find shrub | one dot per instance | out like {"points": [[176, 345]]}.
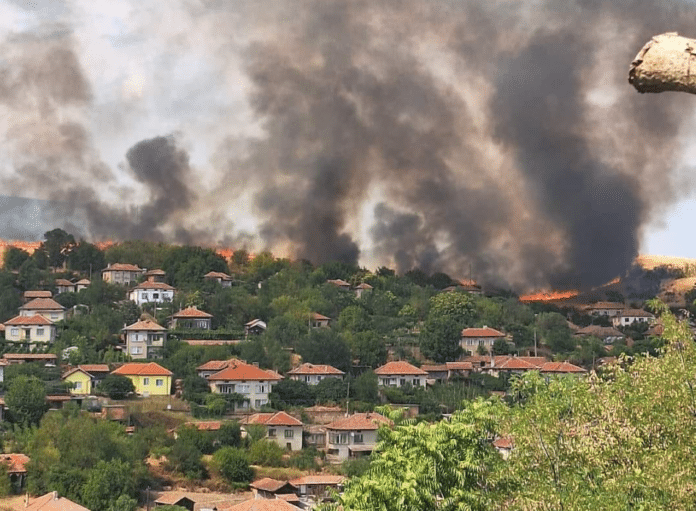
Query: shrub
{"points": [[267, 453], [233, 465]]}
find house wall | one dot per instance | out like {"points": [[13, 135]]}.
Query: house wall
{"points": [[398, 380], [82, 384], [120, 276], [313, 379], [54, 315], [338, 443], [142, 344], [284, 435], [37, 333], [142, 296], [629, 320], [256, 392], [151, 385], [472, 343]]}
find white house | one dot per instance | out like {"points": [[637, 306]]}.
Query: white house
{"points": [[609, 309], [282, 428], [120, 273], [312, 374], [82, 284], [629, 316], [145, 339], [151, 292], [64, 286], [221, 278], [35, 328], [47, 307], [254, 327], [317, 320], [472, 338], [354, 436], [253, 383], [398, 374], [191, 317], [361, 289]]}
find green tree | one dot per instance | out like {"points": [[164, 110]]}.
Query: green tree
{"points": [[332, 390], [555, 332], [368, 348], [116, 386], [266, 453], [185, 457], [364, 387], [233, 465], [86, 257], [289, 392], [230, 434], [500, 347], [449, 313], [57, 245], [26, 399], [325, 346], [106, 484], [13, 258]]}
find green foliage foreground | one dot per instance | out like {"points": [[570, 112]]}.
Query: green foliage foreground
{"points": [[623, 439]]}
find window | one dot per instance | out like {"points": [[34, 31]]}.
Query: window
{"points": [[243, 388], [403, 381], [289, 433], [260, 389], [146, 381], [226, 388], [78, 385], [136, 350], [14, 331], [54, 315], [416, 382], [258, 403], [358, 438], [40, 332], [272, 432], [155, 296], [159, 382], [338, 438]]}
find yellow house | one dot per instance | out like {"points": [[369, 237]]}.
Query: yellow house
{"points": [[80, 381], [149, 379]]}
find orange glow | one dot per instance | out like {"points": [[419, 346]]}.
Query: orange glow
{"points": [[548, 296]]}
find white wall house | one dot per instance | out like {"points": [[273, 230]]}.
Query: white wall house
{"points": [[312, 374], [34, 328], [317, 320], [472, 338], [630, 316], [398, 374], [151, 292], [47, 307], [120, 273], [145, 339], [253, 383], [191, 317], [354, 436], [281, 428], [221, 278]]}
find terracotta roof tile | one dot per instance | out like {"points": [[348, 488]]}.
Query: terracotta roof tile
{"points": [[635, 313], [605, 306], [503, 443], [154, 285], [434, 368], [238, 370], [63, 283], [272, 419], [191, 312], [52, 502], [95, 368], [37, 294], [360, 421], [338, 282], [268, 484], [363, 286], [561, 367], [213, 365], [83, 282], [206, 425], [15, 462], [399, 368], [517, 364], [217, 275], [142, 369], [317, 317], [144, 325], [459, 366], [261, 505], [123, 267], [30, 356], [318, 479], [308, 368], [36, 319], [482, 332], [42, 304]]}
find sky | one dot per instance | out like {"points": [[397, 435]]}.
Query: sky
{"points": [[445, 135]]}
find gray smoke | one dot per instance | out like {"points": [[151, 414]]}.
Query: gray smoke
{"points": [[501, 137]]}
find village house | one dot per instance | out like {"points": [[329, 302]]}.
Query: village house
{"points": [[354, 436], [339, 283], [47, 307], [64, 286], [361, 289], [442, 373], [254, 327], [561, 368], [465, 285], [191, 317], [120, 273], [213, 366], [268, 488], [30, 329], [85, 377], [398, 374], [251, 382], [49, 359], [151, 292], [608, 309], [221, 278], [317, 320], [606, 334], [15, 463], [52, 502], [145, 339], [628, 317], [281, 428], [82, 284], [155, 275], [36, 293], [312, 374], [472, 338], [318, 486], [261, 505], [149, 379]]}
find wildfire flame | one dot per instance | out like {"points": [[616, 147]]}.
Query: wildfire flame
{"points": [[548, 296]]}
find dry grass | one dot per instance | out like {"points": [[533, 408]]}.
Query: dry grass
{"points": [[650, 262]]}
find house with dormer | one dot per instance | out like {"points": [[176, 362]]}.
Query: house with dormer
{"points": [[47, 307]]}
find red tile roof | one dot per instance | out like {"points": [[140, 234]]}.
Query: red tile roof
{"points": [[30, 356], [268, 484], [63, 283], [459, 366], [635, 313], [482, 332], [123, 267], [83, 282], [359, 422], [261, 505], [37, 294], [503, 443], [434, 368], [205, 426], [52, 502], [317, 316], [15, 462], [142, 369], [308, 368], [318, 479], [214, 365], [95, 368], [338, 282], [517, 364], [272, 419], [146, 324], [154, 285], [561, 367], [42, 304], [363, 286], [36, 319], [156, 271], [399, 368], [605, 305], [217, 275], [238, 370], [191, 312]]}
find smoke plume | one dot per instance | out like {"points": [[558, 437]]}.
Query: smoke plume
{"points": [[498, 137]]}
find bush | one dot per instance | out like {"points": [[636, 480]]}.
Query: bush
{"points": [[233, 465], [355, 468], [185, 457], [266, 453], [306, 459], [116, 386]]}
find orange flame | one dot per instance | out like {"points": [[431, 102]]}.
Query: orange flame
{"points": [[548, 296]]}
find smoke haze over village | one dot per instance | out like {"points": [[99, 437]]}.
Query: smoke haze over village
{"points": [[498, 136]]}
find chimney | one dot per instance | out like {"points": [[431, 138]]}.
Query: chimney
{"points": [[255, 364], [55, 495]]}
